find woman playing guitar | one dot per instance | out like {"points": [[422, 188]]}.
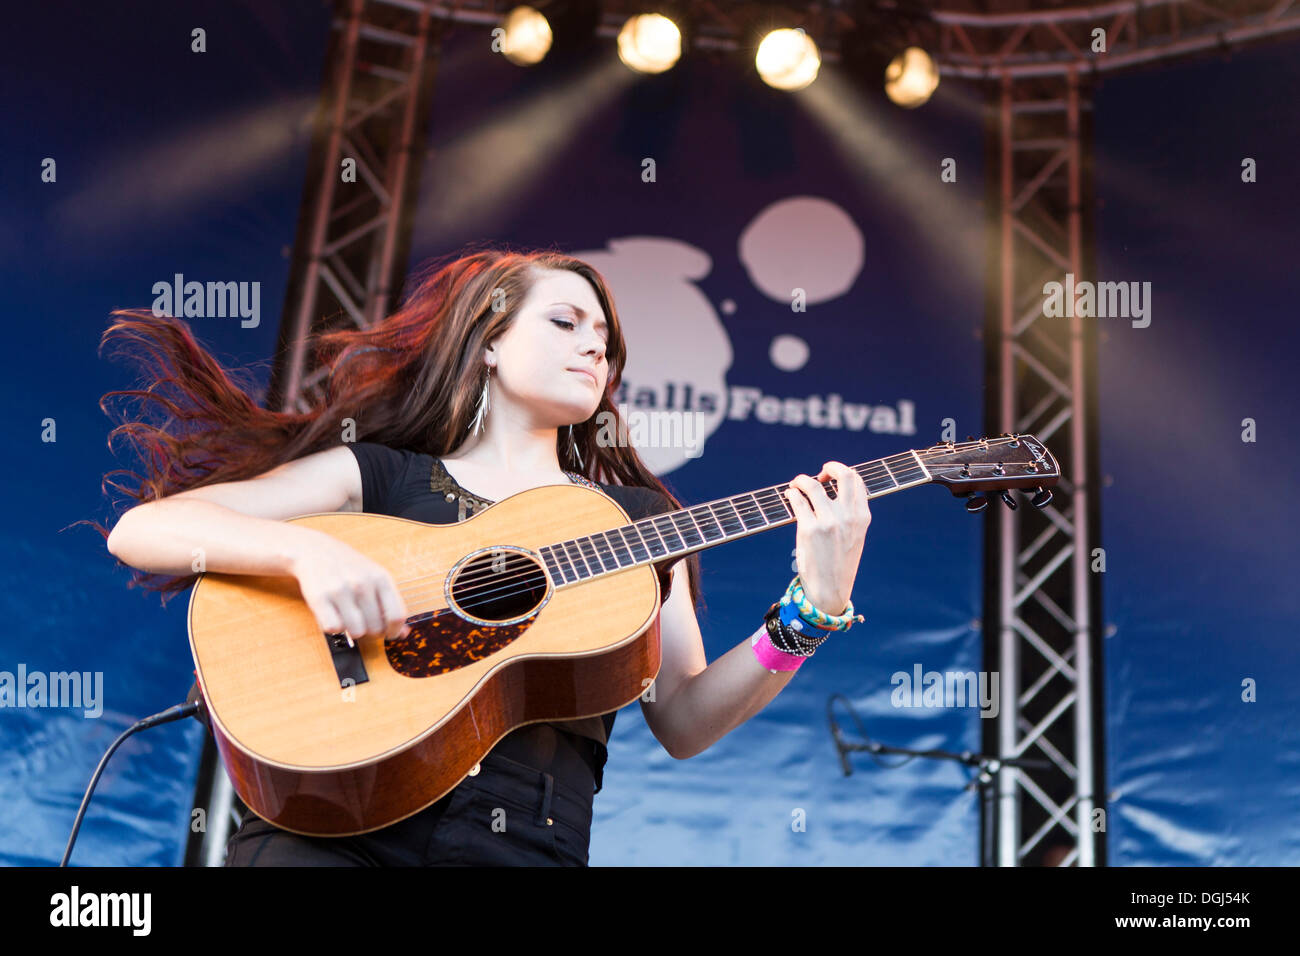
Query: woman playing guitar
{"points": [[488, 377]]}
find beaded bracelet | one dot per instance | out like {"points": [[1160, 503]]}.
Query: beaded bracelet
{"points": [[785, 638], [783, 644], [795, 595], [793, 628]]}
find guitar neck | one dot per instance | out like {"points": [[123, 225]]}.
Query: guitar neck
{"points": [[676, 533]]}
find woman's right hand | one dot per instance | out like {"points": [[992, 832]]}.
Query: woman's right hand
{"points": [[349, 592]]}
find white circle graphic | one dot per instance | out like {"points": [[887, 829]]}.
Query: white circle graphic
{"points": [[789, 353], [803, 243]]}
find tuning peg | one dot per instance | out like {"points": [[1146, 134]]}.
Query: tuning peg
{"points": [[1010, 502], [1041, 499], [976, 503]]}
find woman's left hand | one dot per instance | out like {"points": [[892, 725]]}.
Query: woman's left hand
{"points": [[830, 534]]}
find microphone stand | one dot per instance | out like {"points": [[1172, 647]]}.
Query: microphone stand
{"points": [[987, 767], [187, 709]]}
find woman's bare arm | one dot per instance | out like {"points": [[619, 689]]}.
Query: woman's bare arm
{"points": [[238, 527]]}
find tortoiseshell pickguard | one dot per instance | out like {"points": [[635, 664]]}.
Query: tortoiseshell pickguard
{"points": [[445, 641]]}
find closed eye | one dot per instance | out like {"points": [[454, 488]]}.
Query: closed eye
{"points": [[564, 322]]}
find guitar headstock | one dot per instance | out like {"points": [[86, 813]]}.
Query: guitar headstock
{"points": [[993, 464]]}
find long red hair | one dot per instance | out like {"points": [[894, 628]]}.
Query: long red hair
{"points": [[411, 381]]}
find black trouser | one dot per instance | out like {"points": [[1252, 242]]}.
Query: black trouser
{"points": [[508, 814]]}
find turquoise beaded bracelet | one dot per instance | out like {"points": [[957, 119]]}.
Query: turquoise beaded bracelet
{"points": [[795, 595]]}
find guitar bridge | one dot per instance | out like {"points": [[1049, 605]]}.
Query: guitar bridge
{"points": [[347, 660]]}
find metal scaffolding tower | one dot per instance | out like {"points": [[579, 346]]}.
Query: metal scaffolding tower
{"points": [[1041, 601], [353, 241], [354, 236]]}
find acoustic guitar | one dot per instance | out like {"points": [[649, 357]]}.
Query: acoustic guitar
{"points": [[542, 607]]}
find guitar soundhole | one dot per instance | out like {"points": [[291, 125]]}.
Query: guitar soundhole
{"points": [[499, 585]]}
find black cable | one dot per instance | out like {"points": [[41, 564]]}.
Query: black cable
{"points": [[870, 746], [172, 713]]}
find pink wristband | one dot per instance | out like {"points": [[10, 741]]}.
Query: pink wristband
{"points": [[774, 659]]}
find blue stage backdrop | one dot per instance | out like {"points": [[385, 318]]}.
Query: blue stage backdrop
{"points": [[707, 202], [1198, 412], [167, 162]]}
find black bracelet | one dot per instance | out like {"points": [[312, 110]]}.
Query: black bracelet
{"points": [[799, 638], [788, 640]]}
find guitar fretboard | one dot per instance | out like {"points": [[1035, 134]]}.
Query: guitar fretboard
{"points": [[676, 533]]}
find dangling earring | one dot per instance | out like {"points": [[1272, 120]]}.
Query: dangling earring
{"points": [[483, 403], [574, 445]]}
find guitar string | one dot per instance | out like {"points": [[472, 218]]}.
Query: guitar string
{"points": [[875, 471], [473, 594], [767, 496], [758, 505], [469, 584]]}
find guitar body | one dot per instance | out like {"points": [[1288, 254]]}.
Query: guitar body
{"points": [[317, 752]]}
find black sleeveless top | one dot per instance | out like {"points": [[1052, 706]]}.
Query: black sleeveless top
{"points": [[414, 485], [467, 504]]}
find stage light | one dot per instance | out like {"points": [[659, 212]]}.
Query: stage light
{"points": [[649, 43], [527, 36], [911, 77], [788, 59]]}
